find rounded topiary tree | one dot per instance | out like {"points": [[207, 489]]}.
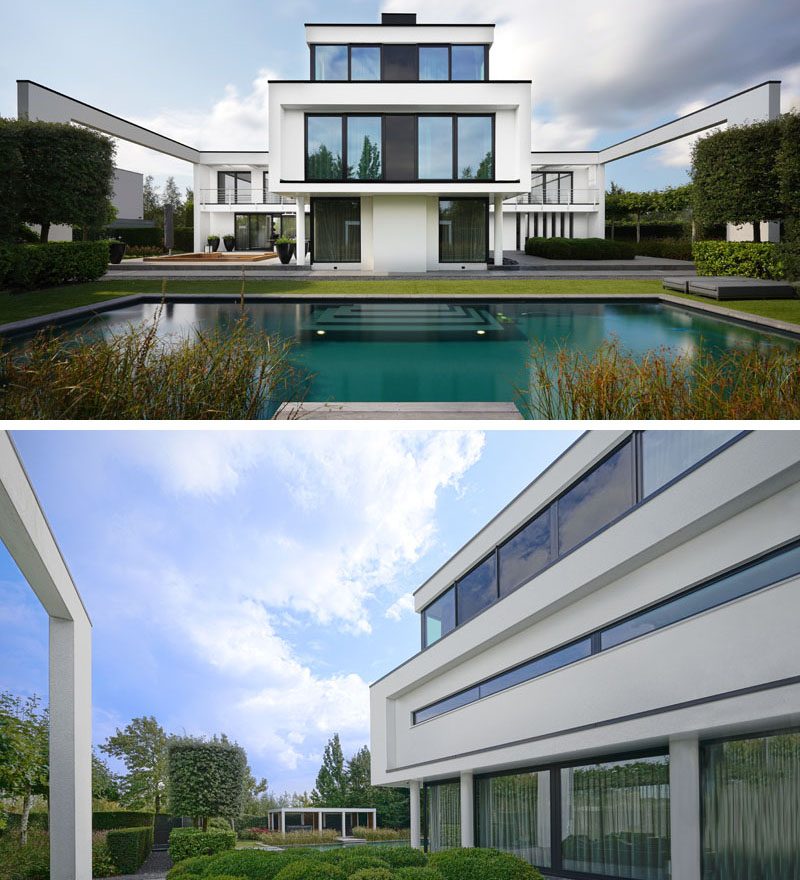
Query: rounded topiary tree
{"points": [[481, 864], [403, 856], [206, 778], [310, 869]]}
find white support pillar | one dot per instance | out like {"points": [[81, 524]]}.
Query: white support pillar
{"points": [[467, 810], [283, 821], [684, 791], [413, 795], [200, 233], [344, 823], [597, 220], [300, 234], [498, 230]]}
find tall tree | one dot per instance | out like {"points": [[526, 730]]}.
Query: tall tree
{"points": [[616, 206], [151, 200], [105, 784], [172, 195], [359, 785], [142, 747], [188, 208], [330, 789], [24, 752]]}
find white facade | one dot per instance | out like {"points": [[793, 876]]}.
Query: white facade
{"points": [[729, 670]]}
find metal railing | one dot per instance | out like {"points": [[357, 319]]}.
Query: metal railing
{"points": [[223, 196], [539, 196]]}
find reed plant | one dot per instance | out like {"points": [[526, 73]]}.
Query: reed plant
{"points": [[236, 372], [612, 383], [381, 833]]}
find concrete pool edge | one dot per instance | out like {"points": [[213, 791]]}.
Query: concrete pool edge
{"points": [[758, 322]]}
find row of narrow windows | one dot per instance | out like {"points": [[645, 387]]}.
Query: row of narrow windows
{"points": [[399, 62]]}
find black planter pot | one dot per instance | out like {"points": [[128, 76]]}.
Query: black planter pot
{"points": [[117, 251], [285, 251], [214, 244], [230, 246]]}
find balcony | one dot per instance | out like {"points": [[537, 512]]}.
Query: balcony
{"points": [[564, 196], [223, 196]]}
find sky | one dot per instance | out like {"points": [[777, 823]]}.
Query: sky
{"points": [[254, 582], [199, 72]]}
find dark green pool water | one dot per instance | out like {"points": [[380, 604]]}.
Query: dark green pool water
{"points": [[428, 351]]}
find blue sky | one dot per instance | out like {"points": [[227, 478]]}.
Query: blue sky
{"points": [[601, 72], [253, 582]]}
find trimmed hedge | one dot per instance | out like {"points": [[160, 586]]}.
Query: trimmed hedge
{"points": [[191, 867], [184, 238], [579, 249], [654, 229], [250, 864], [373, 874], [310, 869], [187, 842], [36, 821], [481, 864], [748, 258], [417, 872], [149, 236], [30, 266], [403, 856], [105, 820], [671, 249], [129, 847]]}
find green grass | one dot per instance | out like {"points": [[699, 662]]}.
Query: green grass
{"points": [[15, 307]]}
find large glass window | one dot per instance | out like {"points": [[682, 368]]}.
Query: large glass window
{"points": [[330, 62], [666, 454], [435, 150], [476, 590], [534, 668], [443, 812], [364, 161], [475, 152], [233, 187], [615, 818], [399, 62], [463, 230], [601, 496], [439, 617], [513, 814], [527, 553], [324, 148], [751, 808], [462, 698], [337, 230], [365, 63], [469, 62], [434, 63]]}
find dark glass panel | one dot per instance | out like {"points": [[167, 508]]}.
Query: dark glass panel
{"points": [[364, 148], [477, 590], [528, 671], [454, 702], [527, 553], [440, 617], [600, 497], [666, 454], [463, 230], [324, 157], [468, 62], [435, 138], [337, 230], [399, 62], [513, 815], [475, 154], [400, 139], [615, 818], [434, 63], [756, 576], [365, 63], [330, 63]]}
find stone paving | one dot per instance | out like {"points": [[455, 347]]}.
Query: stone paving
{"points": [[154, 868]]}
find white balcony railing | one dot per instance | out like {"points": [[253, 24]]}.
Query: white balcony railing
{"points": [[566, 196], [223, 196]]}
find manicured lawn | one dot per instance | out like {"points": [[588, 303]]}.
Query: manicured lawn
{"points": [[15, 307]]}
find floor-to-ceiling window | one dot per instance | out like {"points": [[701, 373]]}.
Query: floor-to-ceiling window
{"points": [[253, 232], [233, 188], [324, 148], [750, 797], [463, 230], [336, 230], [443, 815]]}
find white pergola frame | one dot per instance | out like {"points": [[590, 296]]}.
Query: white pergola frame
{"points": [[321, 812], [27, 535]]}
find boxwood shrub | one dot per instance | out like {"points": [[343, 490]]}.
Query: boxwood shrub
{"points": [[105, 820], [311, 869], [129, 847], [748, 258], [373, 874], [250, 864], [27, 266], [481, 864], [579, 249], [417, 872], [357, 861], [187, 842], [189, 868], [403, 856]]}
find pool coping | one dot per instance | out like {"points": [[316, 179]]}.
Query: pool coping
{"points": [[759, 322]]}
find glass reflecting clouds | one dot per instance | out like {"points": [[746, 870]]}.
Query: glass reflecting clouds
{"points": [[435, 150], [330, 62], [468, 62], [475, 159], [527, 553], [477, 590], [365, 63], [434, 63]]}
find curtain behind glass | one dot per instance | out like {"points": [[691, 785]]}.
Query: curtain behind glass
{"points": [[666, 454], [615, 818], [514, 815], [462, 230], [337, 230], [751, 809], [444, 816]]}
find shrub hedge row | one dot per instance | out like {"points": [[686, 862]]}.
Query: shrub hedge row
{"points": [[105, 820], [28, 266], [748, 258], [656, 229], [36, 821], [153, 236], [129, 847], [578, 249], [187, 842], [669, 248]]}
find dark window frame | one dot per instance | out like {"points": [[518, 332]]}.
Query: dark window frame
{"points": [[315, 199], [485, 200], [221, 190], [350, 47]]}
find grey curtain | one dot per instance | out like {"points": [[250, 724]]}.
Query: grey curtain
{"points": [[514, 815], [444, 816]]}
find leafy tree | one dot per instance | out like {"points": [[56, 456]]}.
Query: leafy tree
{"points": [[188, 208], [639, 204], [369, 165], [105, 784], [323, 165], [11, 163], [24, 752], [142, 747], [172, 195], [486, 167], [330, 789], [151, 201], [358, 778], [616, 206]]}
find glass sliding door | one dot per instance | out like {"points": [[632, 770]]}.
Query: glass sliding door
{"points": [[443, 812], [463, 230], [336, 235], [253, 231]]}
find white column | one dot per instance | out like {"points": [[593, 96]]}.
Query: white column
{"points": [[413, 795], [498, 230], [283, 821], [344, 824], [467, 815], [684, 809], [70, 750], [200, 233], [597, 220], [301, 231]]}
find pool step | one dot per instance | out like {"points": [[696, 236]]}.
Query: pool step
{"points": [[401, 411]]}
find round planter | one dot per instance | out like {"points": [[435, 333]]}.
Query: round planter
{"points": [[214, 244], [117, 251], [285, 251], [230, 246]]}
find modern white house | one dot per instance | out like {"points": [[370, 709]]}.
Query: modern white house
{"points": [[397, 154], [609, 678]]}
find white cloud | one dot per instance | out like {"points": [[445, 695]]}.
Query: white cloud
{"points": [[404, 605]]}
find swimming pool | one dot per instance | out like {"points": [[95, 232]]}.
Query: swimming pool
{"points": [[443, 351]]}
